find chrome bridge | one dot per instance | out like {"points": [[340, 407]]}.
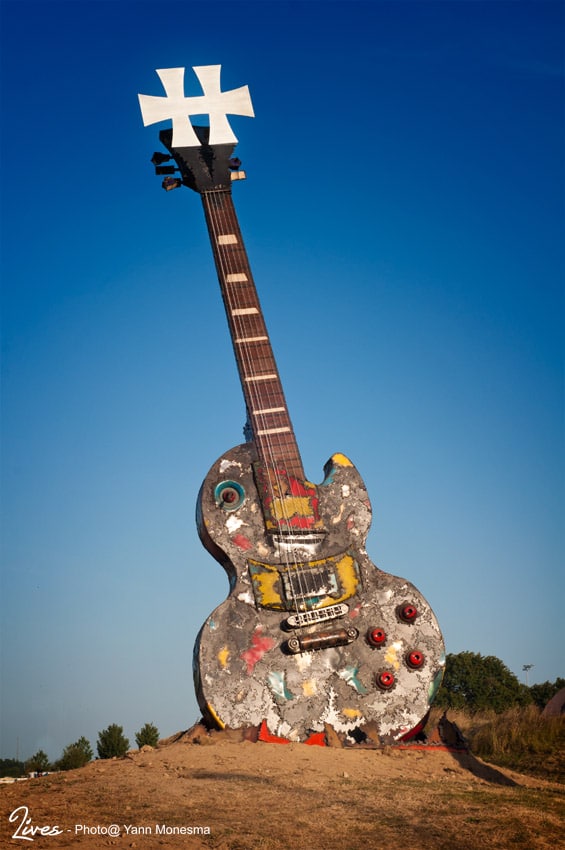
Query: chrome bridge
{"points": [[316, 615], [321, 640]]}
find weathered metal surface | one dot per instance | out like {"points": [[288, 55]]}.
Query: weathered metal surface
{"points": [[244, 670]]}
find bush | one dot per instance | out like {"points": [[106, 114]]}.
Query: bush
{"points": [[541, 694], [11, 767], [148, 735], [112, 743], [473, 682], [38, 763], [75, 755]]}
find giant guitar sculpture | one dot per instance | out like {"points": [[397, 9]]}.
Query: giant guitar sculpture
{"points": [[312, 635]]}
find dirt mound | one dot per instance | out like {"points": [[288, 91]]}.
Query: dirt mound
{"points": [[197, 790]]}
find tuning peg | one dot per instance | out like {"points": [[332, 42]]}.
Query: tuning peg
{"points": [[170, 183], [159, 158]]}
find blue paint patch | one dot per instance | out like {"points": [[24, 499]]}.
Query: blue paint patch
{"points": [[349, 675], [435, 685], [278, 686]]}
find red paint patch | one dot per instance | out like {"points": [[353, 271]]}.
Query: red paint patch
{"points": [[316, 739], [259, 646], [413, 732], [242, 542], [299, 522], [299, 488], [265, 735]]}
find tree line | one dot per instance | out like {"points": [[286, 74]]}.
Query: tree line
{"points": [[472, 683], [475, 682], [111, 743]]}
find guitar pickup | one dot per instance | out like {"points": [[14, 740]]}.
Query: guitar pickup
{"points": [[321, 640], [316, 615]]}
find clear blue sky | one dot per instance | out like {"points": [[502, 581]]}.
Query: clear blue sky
{"points": [[404, 217]]}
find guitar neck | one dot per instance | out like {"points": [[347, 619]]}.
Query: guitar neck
{"points": [[267, 411]]}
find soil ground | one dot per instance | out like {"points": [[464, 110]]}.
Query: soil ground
{"points": [[246, 796]]}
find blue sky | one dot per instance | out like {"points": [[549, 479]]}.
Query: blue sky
{"points": [[403, 214]]}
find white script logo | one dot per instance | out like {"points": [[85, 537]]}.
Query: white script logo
{"points": [[25, 829]]}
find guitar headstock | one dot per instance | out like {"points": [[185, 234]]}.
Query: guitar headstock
{"points": [[203, 154], [203, 168]]}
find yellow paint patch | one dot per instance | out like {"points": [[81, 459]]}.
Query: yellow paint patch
{"points": [[351, 712], [309, 687], [264, 581], [214, 716], [391, 657], [223, 656], [341, 460], [291, 505], [348, 576]]}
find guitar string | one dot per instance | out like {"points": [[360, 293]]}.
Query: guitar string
{"points": [[236, 297], [236, 302], [275, 447], [228, 265]]}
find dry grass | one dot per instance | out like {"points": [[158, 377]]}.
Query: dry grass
{"points": [[520, 739], [271, 797]]}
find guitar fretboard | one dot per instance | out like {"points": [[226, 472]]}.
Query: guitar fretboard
{"points": [[267, 411]]}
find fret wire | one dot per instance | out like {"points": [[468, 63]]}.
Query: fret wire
{"points": [[240, 296], [271, 447]]}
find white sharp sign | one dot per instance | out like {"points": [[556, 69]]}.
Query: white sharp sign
{"points": [[213, 102]]}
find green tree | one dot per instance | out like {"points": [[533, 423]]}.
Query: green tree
{"points": [[476, 683], [11, 767], [38, 763], [75, 755], [147, 735], [541, 694], [112, 743]]}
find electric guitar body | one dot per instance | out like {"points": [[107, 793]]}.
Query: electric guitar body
{"points": [[312, 635]]}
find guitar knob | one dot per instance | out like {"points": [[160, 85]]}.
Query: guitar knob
{"points": [[407, 612], [415, 659], [376, 637], [229, 495], [385, 680]]}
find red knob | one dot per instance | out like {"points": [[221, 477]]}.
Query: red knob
{"points": [[408, 612], [415, 659], [385, 680], [376, 637]]}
